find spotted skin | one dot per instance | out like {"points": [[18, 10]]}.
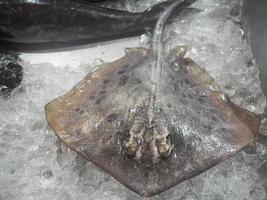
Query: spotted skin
{"points": [[106, 119]]}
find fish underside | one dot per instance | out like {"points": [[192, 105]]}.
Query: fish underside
{"points": [[106, 118], [48, 24]]}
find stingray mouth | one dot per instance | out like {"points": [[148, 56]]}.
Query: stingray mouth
{"points": [[147, 145]]}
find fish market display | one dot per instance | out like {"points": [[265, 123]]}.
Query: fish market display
{"points": [[36, 164]]}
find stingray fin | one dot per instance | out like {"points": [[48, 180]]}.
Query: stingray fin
{"points": [[205, 82]]}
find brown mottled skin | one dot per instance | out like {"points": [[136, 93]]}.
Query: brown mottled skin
{"points": [[105, 118]]}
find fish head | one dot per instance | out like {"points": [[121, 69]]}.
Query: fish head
{"points": [[147, 143]]}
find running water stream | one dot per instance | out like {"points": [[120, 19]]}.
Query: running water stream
{"points": [[158, 55]]}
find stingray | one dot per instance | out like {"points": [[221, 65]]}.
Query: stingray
{"points": [[151, 127]]}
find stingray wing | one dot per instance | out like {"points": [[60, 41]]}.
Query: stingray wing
{"points": [[79, 115], [90, 117], [206, 129]]}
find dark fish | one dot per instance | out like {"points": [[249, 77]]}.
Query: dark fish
{"points": [[47, 24], [105, 118], [11, 73]]}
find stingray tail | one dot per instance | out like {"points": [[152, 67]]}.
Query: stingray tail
{"points": [[157, 47], [151, 15]]}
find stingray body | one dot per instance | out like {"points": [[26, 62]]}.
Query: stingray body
{"points": [[105, 118], [47, 24]]}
